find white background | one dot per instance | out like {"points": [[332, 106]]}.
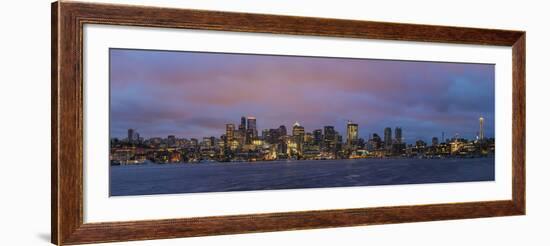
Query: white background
{"points": [[25, 131]]}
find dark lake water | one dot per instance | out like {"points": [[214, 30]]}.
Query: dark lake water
{"points": [[150, 179]]}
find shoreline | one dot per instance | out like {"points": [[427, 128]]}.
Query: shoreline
{"points": [[151, 163]]}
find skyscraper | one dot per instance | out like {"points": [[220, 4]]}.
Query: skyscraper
{"points": [[317, 136], [298, 132], [251, 125], [330, 138], [251, 132], [273, 136], [243, 123], [398, 135], [481, 133], [130, 135], [387, 138], [242, 131], [352, 133], [377, 141], [229, 132], [242, 126], [133, 136]]}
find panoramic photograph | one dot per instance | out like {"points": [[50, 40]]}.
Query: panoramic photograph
{"points": [[194, 122]]}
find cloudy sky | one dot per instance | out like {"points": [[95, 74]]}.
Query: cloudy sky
{"points": [[191, 94]]}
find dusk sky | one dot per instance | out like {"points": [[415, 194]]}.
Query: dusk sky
{"points": [[193, 95]]}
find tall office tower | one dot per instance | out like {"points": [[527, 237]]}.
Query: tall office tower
{"points": [[130, 135], [242, 126], [317, 136], [298, 132], [330, 138], [398, 135], [230, 132], [223, 144], [251, 126], [352, 133], [213, 141], [387, 138], [481, 133]]}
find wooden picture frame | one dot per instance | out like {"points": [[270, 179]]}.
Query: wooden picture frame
{"points": [[68, 19]]}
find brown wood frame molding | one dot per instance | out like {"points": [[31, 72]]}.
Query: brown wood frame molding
{"points": [[68, 19]]}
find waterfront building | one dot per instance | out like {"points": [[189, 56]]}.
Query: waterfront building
{"points": [[230, 132], [317, 136], [387, 138], [251, 126], [456, 146], [398, 135], [352, 133], [377, 140], [242, 126], [282, 146], [481, 133], [339, 141], [251, 132], [330, 138], [130, 135], [222, 143], [298, 132], [213, 141], [242, 130]]}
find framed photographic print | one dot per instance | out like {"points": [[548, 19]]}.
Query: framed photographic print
{"points": [[177, 123]]}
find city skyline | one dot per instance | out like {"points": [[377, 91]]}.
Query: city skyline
{"points": [[193, 95], [352, 130], [245, 142]]}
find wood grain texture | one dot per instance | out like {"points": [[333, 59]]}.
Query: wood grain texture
{"points": [[68, 19], [54, 125], [518, 123], [147, 230]]}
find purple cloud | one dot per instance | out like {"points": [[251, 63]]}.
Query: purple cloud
{"points": [[192, 94]]}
